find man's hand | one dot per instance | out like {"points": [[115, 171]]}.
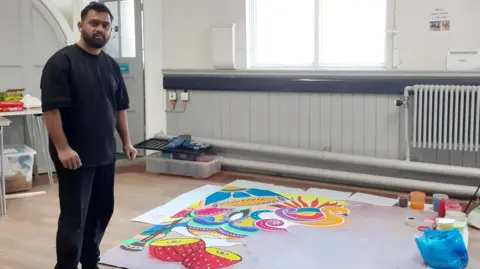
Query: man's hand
{"points": [[69, 158], [130, 152]]}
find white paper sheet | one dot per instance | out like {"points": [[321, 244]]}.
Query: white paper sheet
{"points": [[331, 194], [266, 186], [283, 189], [158, 214], [372, 199], [250, 184]]}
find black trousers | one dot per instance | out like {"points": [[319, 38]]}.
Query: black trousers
{"points": [[86, 206]]}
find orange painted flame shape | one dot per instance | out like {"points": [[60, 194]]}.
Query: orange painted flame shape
{"points": [[299, 203], [322, 215]]}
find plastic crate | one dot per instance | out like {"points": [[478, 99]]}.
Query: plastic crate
{"points": [[204, 167], [18, 164]]}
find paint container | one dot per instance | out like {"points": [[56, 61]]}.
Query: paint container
{"points": [[456, 215], [436, 200], [441, 209], [427, 224], [452, 206], [403, 201], [460, 226], [417, 200], [445, 224]]}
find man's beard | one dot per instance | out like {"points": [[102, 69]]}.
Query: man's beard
{"points": [[93, 42]]}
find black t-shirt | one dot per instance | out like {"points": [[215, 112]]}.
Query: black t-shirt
{"points": [[88, 90]]}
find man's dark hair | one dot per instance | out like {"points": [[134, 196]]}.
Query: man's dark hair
{"points": [[96, 6]]}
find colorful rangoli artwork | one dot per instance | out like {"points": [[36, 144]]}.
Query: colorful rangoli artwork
{"points": [[210, 233]]}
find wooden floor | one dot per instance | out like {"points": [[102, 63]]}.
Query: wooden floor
{"points": [[27, 234]]}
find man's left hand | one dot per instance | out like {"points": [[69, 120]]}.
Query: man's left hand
{"points": [[130, 152]]}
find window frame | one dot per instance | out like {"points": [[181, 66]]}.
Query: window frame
{"points": [[390, 48]]}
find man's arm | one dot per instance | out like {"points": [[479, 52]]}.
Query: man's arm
{"points": [[54, 125], [55, 94], [123, 103], [122, 127]]}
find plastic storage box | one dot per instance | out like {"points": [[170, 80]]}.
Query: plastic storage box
{"points": [[204, 167], [18, 163]]}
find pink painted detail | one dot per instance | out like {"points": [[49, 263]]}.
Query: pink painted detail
{"points": [[181, 214], [270, 225], [209, 212], [423, 228]]}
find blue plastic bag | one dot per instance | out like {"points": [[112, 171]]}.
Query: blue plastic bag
{"points": [[185, 142], [443, 249], [178, 141]]}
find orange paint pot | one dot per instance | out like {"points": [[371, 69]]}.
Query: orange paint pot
{"points": [[417, 200]]}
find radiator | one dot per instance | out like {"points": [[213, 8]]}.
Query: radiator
{"points": [[444, 117]]}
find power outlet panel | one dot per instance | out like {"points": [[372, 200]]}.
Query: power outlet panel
{"points": [[184, 96], [172, 96]]}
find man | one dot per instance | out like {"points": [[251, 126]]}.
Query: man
{"points": [[84, 100]]}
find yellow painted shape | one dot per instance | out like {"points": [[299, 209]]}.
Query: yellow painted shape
{"points": [[225, 254], [233, 188], [309, 199], [175, 242], [248, 222], [332, 217], [210, 234], [249, 202]]}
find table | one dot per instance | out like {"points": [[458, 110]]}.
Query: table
{"points": [[36, 115], [3, 198]]}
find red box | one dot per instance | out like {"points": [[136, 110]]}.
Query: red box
{"points": [[11, 106]]}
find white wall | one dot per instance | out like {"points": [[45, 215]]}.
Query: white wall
{"points": [[33, 36], [186, 31], [187, 40], [422, 49], [155, 117]]}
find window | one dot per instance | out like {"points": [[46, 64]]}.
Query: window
{"points": [[319, 34]]}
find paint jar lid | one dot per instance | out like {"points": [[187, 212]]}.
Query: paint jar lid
{"points": [[452, 203], [417, 193], [445, 221], [440, 196], [453, 207]]}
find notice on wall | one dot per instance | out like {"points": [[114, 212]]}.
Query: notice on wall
{"points": [[440, 20], [124, 68]]}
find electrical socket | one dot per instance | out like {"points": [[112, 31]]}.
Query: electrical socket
{"points": [[184, 96], [172, 96]]}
